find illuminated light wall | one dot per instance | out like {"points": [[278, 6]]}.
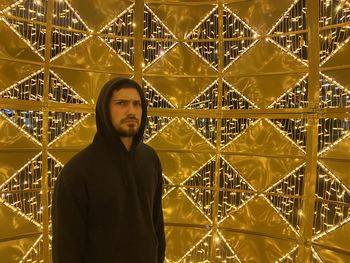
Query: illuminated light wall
{"points": [[248, 111]]}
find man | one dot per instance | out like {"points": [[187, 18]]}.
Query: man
{"points": [[107, 200]]}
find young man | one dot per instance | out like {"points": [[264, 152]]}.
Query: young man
{"points": [[107, 200]]}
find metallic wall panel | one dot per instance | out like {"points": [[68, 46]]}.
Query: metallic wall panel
{"points": [[340, 58], [180, 240], [331, 256], [74, 140], [255, 248], [339, 238], [12, 46], [183, 62], [86, 84], [12, 72], [262, 171], [264, 73], [13, 251], [177, 208], [341, 166], [16, 149], [180, 19], [260, 14], [93, 54], [95, 16], [258, 216]]}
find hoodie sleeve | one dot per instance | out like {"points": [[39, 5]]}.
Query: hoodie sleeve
{"points": [[68, 221], [158, 215]]}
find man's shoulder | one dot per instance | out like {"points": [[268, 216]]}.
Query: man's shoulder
{"points": [[147, 149]]}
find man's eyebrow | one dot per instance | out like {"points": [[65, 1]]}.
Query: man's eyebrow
{"points": [[125, 100]]}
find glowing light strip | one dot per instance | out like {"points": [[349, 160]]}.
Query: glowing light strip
{"points": [[287, 51], [77, 15], [171, 187], [21, 81], [255, 35], [284, 178], [341, 45], [284, 135], [158, 93], [22, 38], [288, 91], [20, 170], [240, 134], [115, 19], [240, 94], [200, 56], [161, 129], [28, 135], [333, 81], [341, 223], [12, 6], [196, 205], [197, 132], [70, 88], [280, 214], [69, 129], [116, 53], [201, 22], [287, 256], [197, 96], [162, 55], [229, 247], [200, 168], [70, 47], [282, 17], [31, 248], [315, 255], [195, 246]]}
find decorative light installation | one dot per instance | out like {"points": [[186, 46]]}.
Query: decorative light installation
{"points": [[118, 35], [332, 94], [332, 206], [333, 38], [290, 40], [158, 37], [207, 29], [286, 196], [242, 37], [330, 130], [235, 191]]}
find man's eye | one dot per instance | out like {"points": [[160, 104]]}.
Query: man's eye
{"points": [[137, 104], [121, 103]]}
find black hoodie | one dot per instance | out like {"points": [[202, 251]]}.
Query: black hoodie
{"points": [[107, 200]]}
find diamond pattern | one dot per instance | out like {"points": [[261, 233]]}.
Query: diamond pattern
{"points": [[206, 30], [122, 26], [154, 29], [236, 29], [332, 204], [286, 196], [293, 20]]}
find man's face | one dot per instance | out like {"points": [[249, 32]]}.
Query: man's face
{"points": [[126, 110]]}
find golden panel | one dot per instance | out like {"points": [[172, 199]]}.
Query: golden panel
{"points": [[339, 167], [180, 19], [340, 58], [264, 73], [179, 136], [263, 139], [178, 209], [262, 14], [331, 256], [74, 140], [86, 84], [13, 251], [11, 72], [180, 60], [95, 16], [6, 3], [93, 54], [258, 216], [13, 224], [338, 239], [16, 149], [181, 239], [12, 46]]}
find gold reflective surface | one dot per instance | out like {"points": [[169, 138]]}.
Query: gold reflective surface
{"points": [[237, 187]]}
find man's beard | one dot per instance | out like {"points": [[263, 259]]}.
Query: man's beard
{"points": [[130, 131]]}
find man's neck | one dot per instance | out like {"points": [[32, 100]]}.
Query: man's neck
{"points": [[127, 141]]}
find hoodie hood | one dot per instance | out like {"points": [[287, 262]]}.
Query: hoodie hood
{"points": [[105, 129]]}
